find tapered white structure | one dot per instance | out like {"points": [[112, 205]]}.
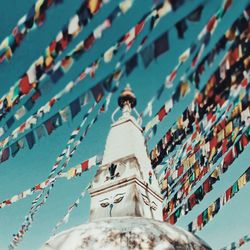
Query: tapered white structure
{"points": [[126, 205], [124, 185]]}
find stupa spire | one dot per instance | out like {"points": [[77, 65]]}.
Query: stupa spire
{"points": [[125, 185], [126, 103], [126, 207]]}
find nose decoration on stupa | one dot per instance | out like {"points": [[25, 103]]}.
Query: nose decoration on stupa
{"points": [[127, 102]]}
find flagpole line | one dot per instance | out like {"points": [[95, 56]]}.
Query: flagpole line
{"points": [[35, 207]]}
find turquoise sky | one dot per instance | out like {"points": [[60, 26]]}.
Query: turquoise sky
{"points": [[30, 167]]}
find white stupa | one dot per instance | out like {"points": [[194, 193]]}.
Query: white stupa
{"points": [[126, 204]]}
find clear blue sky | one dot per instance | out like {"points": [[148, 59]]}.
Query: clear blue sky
{"points": [[30, 167]]}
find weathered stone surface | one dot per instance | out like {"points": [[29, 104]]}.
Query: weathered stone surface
{"points": [[125, 233]]}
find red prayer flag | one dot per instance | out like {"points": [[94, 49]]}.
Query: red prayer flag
{"points": [[89, 42], [36, 95], [180, 170], [172, 219], [207, 186], [24, 85], [192, 201], [244, 83], [199, 220], [52, 101], [52, 46], [139, 27], [8, 202], [22, 127], [85, 165], [228, 194], [211, 23], [244, 141], [162, 113], [172, 76], [64, 42], [38, 187]]}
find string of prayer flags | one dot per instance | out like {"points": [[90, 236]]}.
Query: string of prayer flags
{"points": [[206, 149], [199, 194], [191, 144], [237, 244], [46, 108], [65, 218], [216, 87], [37, 71], [203, 150], [29, 22], [241, 25], [51, 124], [207, 32], [35, 205], [182, 90], [74, 108], [160, 45], [210, 212], [72, 172], [65, 153], [74, 55], [63, 66], [191, 168], [181, 26], [201, 43], [192, 174], [197, 142], [184, 86], [153, 16], [57, 71], [199, 163]]}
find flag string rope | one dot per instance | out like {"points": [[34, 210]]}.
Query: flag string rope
{"points": [[72, 172], [35, 206], [74, 205]]}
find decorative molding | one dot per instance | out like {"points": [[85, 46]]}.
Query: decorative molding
{"points": [[108, 187]]}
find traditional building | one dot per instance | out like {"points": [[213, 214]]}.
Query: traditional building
{"points": [[126, 204]]}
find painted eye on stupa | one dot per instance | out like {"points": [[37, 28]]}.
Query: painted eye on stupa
{"points": [[118, 198], [104, 204]]}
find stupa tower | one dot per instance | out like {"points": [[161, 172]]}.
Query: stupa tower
{"points": [[126, 205], [125, 185]]}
